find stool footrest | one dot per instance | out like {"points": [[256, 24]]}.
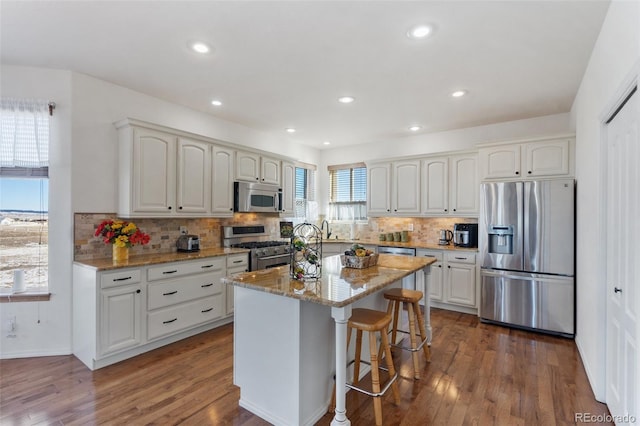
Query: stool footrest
{"points": [[382, 392], [395, 345]]}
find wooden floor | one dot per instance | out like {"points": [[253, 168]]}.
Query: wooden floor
{"points": [[479, 375]]}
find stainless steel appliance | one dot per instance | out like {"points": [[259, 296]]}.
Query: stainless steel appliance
{"points": [[527, 252], [188, 243], [445, 237], [264, 253], [407, 282], [249, 197], [465, 234]]}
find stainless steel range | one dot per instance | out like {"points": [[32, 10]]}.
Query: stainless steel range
{"points": [[265, 253]]}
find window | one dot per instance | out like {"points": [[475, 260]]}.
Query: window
{"points": [[24, 193], [348, 192], [305, 193]]}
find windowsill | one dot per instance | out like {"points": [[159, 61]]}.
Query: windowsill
{"points": [[27, 296]]}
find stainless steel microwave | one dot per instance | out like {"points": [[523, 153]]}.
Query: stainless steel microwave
{"points": [[256, 197]]}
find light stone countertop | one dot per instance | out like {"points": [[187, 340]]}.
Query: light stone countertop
{"points": [[338, 286], [105, 264], [410, 244]]}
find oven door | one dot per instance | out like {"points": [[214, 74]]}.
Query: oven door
{"points": [[267, 262]]}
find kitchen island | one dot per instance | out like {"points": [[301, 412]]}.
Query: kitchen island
{"points": [[290, 336]]}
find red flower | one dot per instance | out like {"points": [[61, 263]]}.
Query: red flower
{"points": [[110, 231]]}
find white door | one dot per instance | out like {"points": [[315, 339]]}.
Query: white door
{"points": [[378, 189], [406, 187], [623, 262], [435, 185], [222, 185], [194, 176], [154, 172], [464, 186], [270, 170]]}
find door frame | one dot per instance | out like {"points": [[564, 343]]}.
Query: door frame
{"points": [[627, 85]]}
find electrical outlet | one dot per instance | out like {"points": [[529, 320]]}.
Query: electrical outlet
{"points": [[183, 230], [11, 326], [411, 227]]}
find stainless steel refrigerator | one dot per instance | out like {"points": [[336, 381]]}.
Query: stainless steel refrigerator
{"points": [[526, 235]]}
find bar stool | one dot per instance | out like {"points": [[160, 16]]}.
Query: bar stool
{"points": [[372, 321], [396, 297]]}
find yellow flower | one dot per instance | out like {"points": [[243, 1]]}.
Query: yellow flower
{"points": [[116, 225], [129, 229], [121, 241]]}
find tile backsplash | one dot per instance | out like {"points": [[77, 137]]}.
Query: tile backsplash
{"points": [[165, 232]]}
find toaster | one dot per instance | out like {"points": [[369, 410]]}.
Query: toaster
{"points": [[188, 243]]}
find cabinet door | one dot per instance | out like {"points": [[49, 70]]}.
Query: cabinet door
{"points": [[194, 176], [120, 319], [464, 185], [154, 172], [435, 185], [222, 181], [270, 170], [247, 166], [461, 284], [378, 189], [288, 188], [500, 162], [547, 158], [406, 187]]}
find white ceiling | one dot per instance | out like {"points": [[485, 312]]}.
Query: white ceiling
{"points": [[279, 64]]}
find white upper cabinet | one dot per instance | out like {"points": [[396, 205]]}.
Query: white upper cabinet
{"points": [[435, 185], [253, 167], [532, 159], [288, 188], [222, 181], [450, 185], [394, 188], [194, 176], [464, 186], [149, 172]]}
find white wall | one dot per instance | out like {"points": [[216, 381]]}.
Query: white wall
{"points": [[454, 140], [612, 60], [44, 327]]}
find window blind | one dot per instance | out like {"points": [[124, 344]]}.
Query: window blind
{"points": [[304, 191], [24, 133], [348, 192]]}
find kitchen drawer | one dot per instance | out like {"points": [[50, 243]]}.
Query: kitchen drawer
{"points": [[170, 292], [430, 253], [238, 260], [461, 257], [176, 318], [177, 269], [122, 277]]}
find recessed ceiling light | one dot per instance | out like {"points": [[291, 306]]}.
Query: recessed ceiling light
{"points": [[200, 47], [346, 99], [290, 130], [326, 143], [216, 102], [419, 32], [459, 93], [415, 128]]}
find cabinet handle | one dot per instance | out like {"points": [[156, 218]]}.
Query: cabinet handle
{"points": [[170, 272], [257, 179], [169, 207], [122, 279], [395, 210], [388, 210], [180, 208], [167, 322], [231, 209], [454, 210], [206, 266], [206, 285], [439, 266], [460, 258], [445, 210], [529, 172], [138, 291], [449, 266], [207, 310], [517, 173], [617, 290], [170, 293], [238, 261]]}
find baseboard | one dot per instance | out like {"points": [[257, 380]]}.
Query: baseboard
{"points": [[35, 354], [587, 369]]}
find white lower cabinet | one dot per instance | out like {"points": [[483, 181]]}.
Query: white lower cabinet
{"points": [[118, 314], [236, 263], [453, 279]]}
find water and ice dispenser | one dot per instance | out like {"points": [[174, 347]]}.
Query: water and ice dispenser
{"points": [[500, 239]]}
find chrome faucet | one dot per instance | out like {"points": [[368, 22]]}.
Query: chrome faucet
{"points": [[328, 230]]}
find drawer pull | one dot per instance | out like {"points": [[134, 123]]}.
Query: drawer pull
{"points": [[122, 279], [170, 272], [206, 266], [238, 261], [207, 310], [170, 321], [461, 258], [170, 293], [206, 285]]}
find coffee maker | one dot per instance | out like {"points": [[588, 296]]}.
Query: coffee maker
{"points": [[465, 234]]}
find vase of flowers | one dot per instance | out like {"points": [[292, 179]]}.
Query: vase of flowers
{"points": [[121, 235]]}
